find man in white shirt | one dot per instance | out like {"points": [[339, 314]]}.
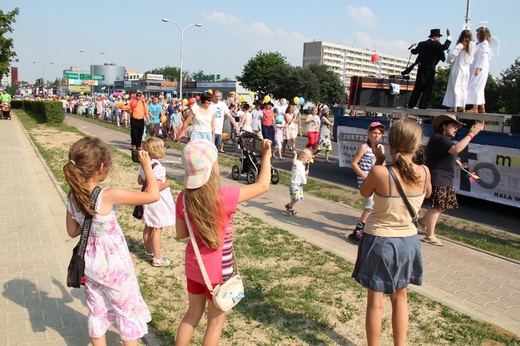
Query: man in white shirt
{"points": [[219, 109], [281, 107]]}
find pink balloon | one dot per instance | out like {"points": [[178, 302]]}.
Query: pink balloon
{"points": [[197, 98], [191, 101], [133, 104], [375, 57]]}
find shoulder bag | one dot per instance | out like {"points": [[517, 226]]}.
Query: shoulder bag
{"points": [[415, 220], [138, 210], [225, 295], [76, 270]]}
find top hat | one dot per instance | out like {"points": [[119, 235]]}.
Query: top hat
{"points": [[435, 32]]}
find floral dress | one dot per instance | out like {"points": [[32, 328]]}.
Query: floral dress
{"points": [[112, 291]]}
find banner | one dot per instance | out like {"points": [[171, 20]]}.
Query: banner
{"points": [[497, 167]]}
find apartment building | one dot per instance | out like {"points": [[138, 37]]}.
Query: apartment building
{"points": [[348, 61]]}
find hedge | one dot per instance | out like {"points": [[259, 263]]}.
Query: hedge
{"points": [[50, 111]]}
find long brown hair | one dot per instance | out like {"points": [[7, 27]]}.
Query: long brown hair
{"points": [[204, 207], [405, 137], [85, 158], [465, 38]]}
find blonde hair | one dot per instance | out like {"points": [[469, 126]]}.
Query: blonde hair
{"points": [[306, 152], [155, 147], [85, 158], [205, 209], [405, 137]]}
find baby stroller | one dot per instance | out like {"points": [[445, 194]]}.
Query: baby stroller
{"points": [[251, 160]]}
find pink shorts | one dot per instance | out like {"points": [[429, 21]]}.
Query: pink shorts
{"points": [[197, 288]]}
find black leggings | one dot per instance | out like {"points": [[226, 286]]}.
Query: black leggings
{"points": [[136, 131]]}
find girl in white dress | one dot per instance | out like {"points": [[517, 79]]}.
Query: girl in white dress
{"points": [[479, 72], [460, 59], [112, 291], [161, 213]]}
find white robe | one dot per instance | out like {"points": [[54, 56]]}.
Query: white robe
{"points": [[477, 84], [457, 89]]}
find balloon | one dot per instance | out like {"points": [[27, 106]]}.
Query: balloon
{"points": [[102, 97], [133, 104], [242, 98], [375, 58], [302, 101], [210, 91], [251, 94], [110, 97], [296, 100], [127, 97], [163, 119], [225, 136], [184, 102], [121, 104], [267, 98], [197, 98], [191, 101]]}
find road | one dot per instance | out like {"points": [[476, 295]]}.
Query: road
{"points": [[494, 215]]}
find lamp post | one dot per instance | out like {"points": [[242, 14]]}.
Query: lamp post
{"points": [[92, 66], [43, 73], [198, 25]]}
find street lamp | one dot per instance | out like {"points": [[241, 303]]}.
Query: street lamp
{"points": [[92, 65], [198, 25], [43, 72]]}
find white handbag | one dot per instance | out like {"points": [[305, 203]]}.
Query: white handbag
{"points": [[227, 294]]}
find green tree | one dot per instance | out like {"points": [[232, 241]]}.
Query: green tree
{"points": [[170, 73], [7, 54], [260, 73], [295, 81], [510, 88], [439, 88], [331, 89], [494, 99]]}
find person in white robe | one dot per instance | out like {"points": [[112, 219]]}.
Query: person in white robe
{"points": [[460, 60], [479, 71]]}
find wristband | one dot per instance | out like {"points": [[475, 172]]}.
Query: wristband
{"points": [[470, 136]]}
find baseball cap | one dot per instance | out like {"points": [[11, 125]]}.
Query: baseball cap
{"points": [[376, 124], [198, 158]]}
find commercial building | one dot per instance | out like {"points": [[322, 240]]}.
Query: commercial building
{"points": [[348, 61]]}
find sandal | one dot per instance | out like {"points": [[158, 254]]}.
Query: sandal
{"points": [[432, 240], [149, 256], [161, 262]]}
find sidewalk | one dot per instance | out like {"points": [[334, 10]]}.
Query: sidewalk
{"points": [[39, 310], [36, 307]]}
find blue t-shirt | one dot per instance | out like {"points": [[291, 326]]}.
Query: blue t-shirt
{"points": [[155, 113]]}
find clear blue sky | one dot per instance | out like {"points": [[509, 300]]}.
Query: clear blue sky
{"points": [[131, 33]]}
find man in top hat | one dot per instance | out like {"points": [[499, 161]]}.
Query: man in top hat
{"points": [[430, 52]]}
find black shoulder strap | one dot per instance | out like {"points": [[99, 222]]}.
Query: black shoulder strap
{"points": [[403, 196], [87, 223], [143, 188]]}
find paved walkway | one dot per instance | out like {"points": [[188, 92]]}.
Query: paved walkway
{"points": [[36, 308]]}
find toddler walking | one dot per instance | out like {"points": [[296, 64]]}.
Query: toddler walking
{"points": [[299, 173], [278, 136], [112, 291], [160, 214]]}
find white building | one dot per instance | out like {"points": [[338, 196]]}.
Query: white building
{"points": [[348, 61]]}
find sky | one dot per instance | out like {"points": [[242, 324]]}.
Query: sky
{"points": [[131, 33]]}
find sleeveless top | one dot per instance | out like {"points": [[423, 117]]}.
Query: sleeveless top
{"points": [[390, 217], [202, 120], [366, 162]]}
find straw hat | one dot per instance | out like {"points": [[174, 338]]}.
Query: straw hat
{"points": [[440, 119]]}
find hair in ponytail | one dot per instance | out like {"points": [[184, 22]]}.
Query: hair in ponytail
{"points": [[85, 158], [405, 137]]}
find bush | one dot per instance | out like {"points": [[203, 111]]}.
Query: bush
{"points": [[49, 111]]}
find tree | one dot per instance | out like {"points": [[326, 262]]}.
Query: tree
{"points": [[510, 88], [260, 73], [439, 88], [493, 96], [170, 73], [7, 54], [331, 90]]}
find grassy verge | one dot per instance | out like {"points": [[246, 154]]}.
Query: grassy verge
{"points": [[500, 243], [296, 293]]}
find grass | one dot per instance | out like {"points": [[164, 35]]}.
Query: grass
{"points": [[297, 293]]}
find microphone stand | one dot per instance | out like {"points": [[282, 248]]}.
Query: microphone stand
{"points": [[406, 75]]}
